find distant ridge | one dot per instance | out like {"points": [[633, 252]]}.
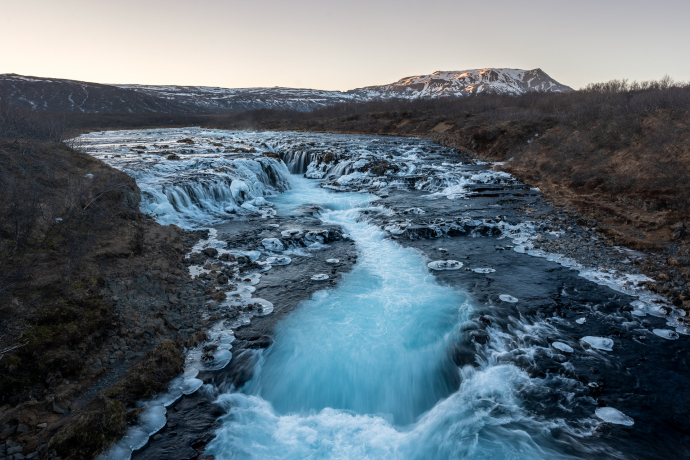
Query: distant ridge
{"points": [[59, 95]]}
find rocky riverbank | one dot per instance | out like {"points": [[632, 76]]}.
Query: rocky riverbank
{"points": [[97, 299]]}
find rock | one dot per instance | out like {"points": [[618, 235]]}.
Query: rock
{"points": [[680, 231], [21, 428], [263, 342], [42, 425], [15, 450], [481, 337], [57, 409], [210, 252], [210, 347], [197, 338]]}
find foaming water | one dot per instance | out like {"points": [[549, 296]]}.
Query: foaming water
{"points": [[364, 370]]}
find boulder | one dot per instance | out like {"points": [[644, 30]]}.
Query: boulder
{"points": [[210, 252]]}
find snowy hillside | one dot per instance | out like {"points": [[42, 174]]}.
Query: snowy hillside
{"points": [[221, 100]]}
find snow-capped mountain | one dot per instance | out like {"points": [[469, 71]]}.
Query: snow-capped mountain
{"points": [[467, 82], [52, 94]]}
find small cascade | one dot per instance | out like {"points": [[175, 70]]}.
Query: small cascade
{"points": [[341, 169], [298, 161], [200, 187]]}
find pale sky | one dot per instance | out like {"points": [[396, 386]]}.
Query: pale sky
{"points": [[340, 45]]}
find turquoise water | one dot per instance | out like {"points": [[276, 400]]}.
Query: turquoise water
{"points": [[363, 370]]}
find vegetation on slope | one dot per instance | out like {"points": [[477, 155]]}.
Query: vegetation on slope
{"points": [[68, 224]]}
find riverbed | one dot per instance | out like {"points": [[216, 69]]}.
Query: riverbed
{"points": [[365, 349]]}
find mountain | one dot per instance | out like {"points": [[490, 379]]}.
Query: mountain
{"points": [[59, 95], [465, 83]]}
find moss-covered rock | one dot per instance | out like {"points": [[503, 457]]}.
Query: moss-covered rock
{"points": [[88, 434]]}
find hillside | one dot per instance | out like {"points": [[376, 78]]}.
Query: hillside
{"points": [[56, 95], [71, 231]]}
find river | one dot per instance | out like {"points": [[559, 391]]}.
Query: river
{"points": [[507, 356]]}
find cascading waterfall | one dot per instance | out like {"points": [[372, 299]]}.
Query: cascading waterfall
{"points": [[364, 370], [199, 188], [298, 161], [200, 196]]}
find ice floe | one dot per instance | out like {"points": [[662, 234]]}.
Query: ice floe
{"points": [[666, 334], [320, 277], [444, 265], [611, 415], [273, 244], [508, 298], [280, 260], [562, 347], [483, 270], [262, 306], [292, 233], [600, 343]]}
